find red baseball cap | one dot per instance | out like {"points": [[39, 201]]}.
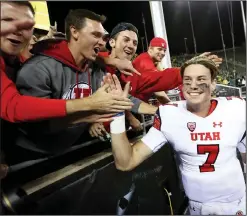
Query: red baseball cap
{"points": [[158, 42]]}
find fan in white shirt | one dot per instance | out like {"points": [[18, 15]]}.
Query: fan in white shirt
{"points": [[205, 133]]}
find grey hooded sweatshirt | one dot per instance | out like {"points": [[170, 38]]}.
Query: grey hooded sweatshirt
{"points": [[52, 73]]}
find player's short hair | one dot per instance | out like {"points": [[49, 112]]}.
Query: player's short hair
{"points": [[24, 3], [202, 60], [77, 18]]}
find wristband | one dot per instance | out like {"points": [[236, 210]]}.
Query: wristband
{"points": [[117, 126]]}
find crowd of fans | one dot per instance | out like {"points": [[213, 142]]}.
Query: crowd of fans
{"points": [[51, 84], [57, 87]]}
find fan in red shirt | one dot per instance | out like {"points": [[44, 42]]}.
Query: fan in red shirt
{"points": [[17, 21], [150, 60]]}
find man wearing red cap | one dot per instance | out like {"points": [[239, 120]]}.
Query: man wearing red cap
{"points": [[149, 60]]}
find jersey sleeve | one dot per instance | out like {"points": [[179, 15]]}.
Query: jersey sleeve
{"points": [[155, 138]]}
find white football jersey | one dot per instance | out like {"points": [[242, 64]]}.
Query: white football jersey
{"points": [[206, 147]]}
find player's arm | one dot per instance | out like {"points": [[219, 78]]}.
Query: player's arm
{"points": [[128, 157]]}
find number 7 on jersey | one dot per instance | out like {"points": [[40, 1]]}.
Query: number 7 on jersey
{"points": [[213, 151]]}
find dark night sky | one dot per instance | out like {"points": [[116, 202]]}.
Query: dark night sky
{"points": [[204, 15]]}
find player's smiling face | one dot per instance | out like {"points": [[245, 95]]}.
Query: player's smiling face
{"points": [[197, 84]]}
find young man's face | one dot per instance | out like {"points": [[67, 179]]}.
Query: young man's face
{"points": [[125, 45], [197, 84], [89, 39], [12, 44], [157, 53]]}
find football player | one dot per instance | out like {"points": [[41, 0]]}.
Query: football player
{"points": [[204, 131]]}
